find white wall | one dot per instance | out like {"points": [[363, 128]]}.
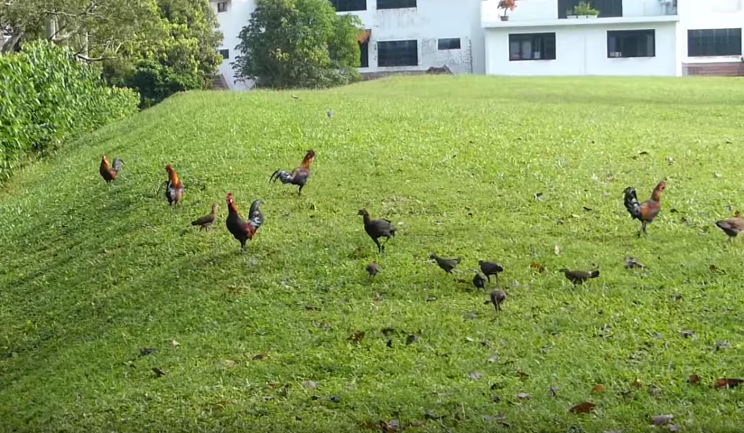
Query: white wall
{"points": [[428, 22], [582, 50], [543, 10], [231, 23], [710, 14]]}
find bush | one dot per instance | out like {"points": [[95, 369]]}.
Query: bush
{"points": [[48, 97], [298, 43]]}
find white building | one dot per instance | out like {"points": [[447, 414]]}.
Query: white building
{"points": [[402, 35], [629, 37]]}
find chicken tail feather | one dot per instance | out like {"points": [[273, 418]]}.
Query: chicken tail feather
{"points": [[631, 202], [283, 176], [255, 217], [117, 165]]}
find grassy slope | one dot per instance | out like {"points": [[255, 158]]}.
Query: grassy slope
{"points": [[91, 273]]}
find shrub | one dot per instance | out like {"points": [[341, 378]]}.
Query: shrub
{"points": [[48, 97]]}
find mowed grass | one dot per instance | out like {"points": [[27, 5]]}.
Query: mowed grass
{"points": [[92, 273]]}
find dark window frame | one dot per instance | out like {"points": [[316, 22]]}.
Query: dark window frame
{"points": [[546, 41], [630, 43], [703, 42], [449, 44], [606, 8], [386, 53], [225, 53], [220, 5], [364, 54], [349, 5], [395, 4]]}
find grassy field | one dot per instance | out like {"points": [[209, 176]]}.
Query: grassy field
{"points": [[93, 273]]}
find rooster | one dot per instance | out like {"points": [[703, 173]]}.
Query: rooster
{"points": [[648, 210], [299, 175], [173, 186], [243, 230], [731, 226], [107, 172]]}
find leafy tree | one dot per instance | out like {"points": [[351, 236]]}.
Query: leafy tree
{"points": [[181, 56], [298, 43]]}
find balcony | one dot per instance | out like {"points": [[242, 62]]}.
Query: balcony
{"points": [[541, 13]]}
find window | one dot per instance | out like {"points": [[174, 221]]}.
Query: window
{"points": [[631, 43], [395, 4], [397, 53], [716, 42], [225, 54], [606, 8], [222, 7], [449, 44], [364, 54], [349, 5], [532, 46]]}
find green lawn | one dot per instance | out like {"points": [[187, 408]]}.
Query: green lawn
{"points": [[92, 273]]}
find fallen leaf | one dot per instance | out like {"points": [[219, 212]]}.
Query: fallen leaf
{"points": [[390, 427], [557, 250], [523, 396], [538, 196], [643, 152], [722, 345], [259, 357], [500, 418], [637, 383], [588, 209], [598, 389], [554, 391], [694, 379], [475, 375], [687, 333], [410, 339], [357, 336], [674, 428], [728, 383], [175, 343], [522, 375], [334, 399], [429, 415], [661, 419], [631, 263], [495, 398], [585, 407], [309, 384], [158, 372], [146, 351], [387, 331], [538, 267]]}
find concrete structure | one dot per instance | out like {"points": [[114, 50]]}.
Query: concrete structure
{"points": [[402, 35], [629, 37]]}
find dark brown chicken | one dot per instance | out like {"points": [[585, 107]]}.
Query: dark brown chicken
{"points": [[372, 269], [298, 176], [376, 229], [579, 277], [243, 230], [490, 268], [497, 297], [446, 264], [479, 282], [206, 221], [648, 210], [109, 173], [732, 226]]}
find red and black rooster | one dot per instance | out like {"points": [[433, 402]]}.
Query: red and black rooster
{"points": [[107, 172], [299, 175], [644, 212], [243, 230], [173, 186]]}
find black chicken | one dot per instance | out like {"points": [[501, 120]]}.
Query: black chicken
{"points": [[243, 230], [376, 229]]}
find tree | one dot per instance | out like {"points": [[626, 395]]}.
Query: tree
{"points": [[93, 29], [298, 43], [179, 55]]}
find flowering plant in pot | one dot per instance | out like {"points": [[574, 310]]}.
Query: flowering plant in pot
{"points": [[507, 5]]}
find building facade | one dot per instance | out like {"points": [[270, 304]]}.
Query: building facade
{"points": [[539, 37], [628, 37]]}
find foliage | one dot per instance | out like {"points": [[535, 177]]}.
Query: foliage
{"points": [[180, 55], [92, 273], [507, 5], [298, 43], [48, 97], [585, 8], [89, 27]]}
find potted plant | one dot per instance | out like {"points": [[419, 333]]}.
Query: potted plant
{"points": [[585, 10], [507, 5], [570, 14]]}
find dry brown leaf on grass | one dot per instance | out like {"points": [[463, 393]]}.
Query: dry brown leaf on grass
{"points": [[694, 379], [585, 407], [538, 267], [357, 336], [598, 388], [661, 419], [728, 383]]}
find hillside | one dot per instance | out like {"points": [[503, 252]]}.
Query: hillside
{"points": [[93, 273]]}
